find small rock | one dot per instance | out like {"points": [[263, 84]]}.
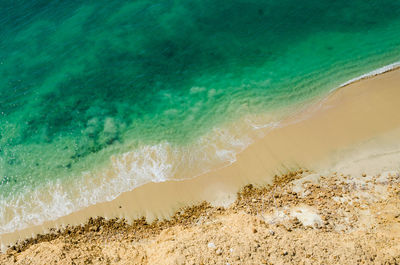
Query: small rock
{"points": [[254, 200], [218, 252], [284, 253], [93, 228], [364, 175], [271, 232], [211, 245]]}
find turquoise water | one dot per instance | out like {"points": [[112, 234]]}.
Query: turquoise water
{"points": [[87, 84]]}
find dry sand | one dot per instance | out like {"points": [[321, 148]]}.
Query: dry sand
{"points": [[356, 129]]}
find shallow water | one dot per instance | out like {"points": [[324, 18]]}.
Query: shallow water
{"points": [[99, 97]]}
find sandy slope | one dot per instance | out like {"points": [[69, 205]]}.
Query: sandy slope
{"points": [[304, 218]]}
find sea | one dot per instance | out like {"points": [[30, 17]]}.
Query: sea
{"points": [[100, 97]]}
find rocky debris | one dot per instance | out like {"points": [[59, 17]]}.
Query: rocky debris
{"points": [[304, 218]]}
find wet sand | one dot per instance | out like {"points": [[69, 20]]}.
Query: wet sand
{"points": [[353, 122]]}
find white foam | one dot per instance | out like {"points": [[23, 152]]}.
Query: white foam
{"points": [[125, 172], [130, 170], [378, 71]]}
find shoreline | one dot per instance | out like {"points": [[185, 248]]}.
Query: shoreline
{"points": [[320, 134], [342, 219], [384, 69]]}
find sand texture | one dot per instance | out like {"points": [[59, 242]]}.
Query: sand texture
{"points": [[304, 218]]}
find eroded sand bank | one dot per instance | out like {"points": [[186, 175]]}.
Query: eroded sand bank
{"points": [[304, 218], [360, 122]]}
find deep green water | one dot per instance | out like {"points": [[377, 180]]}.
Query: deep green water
{"points": [[81, 81]]}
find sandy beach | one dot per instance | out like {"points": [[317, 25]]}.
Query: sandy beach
{"points": [[354, 132], [304, 218]]}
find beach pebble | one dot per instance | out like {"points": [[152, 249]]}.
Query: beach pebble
{"points": [[211, 245], [218, 252]]}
